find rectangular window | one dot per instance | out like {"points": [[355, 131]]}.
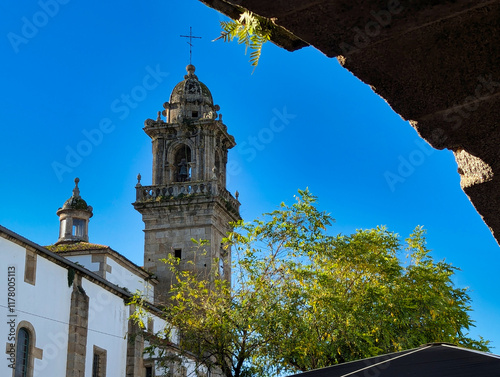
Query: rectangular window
{"points": [[30, 267], [178, 253], [78, 227], [95, 365], [149, 372], [99, 362], [195, 114]]}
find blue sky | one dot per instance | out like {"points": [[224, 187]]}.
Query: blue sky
{"points": [[79, 79]]}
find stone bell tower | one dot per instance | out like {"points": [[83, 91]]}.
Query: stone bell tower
{"points": [[188, 198]]}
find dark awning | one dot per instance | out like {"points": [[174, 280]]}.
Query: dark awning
{"points": [[430, 360]]}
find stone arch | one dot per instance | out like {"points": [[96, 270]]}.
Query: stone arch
{"points": [[181, 158], [33, 351], [175, 146]]}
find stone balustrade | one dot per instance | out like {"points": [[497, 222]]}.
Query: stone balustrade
{"points": [[179, 190], [229, 199]]}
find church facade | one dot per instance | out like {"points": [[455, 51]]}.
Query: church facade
{"points": [[66, 310]]}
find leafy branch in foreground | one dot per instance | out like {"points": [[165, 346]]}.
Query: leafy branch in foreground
{"points": [[302, 299], [250, 30]]}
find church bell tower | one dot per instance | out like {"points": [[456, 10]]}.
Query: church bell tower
{"points": [[188, 198]]}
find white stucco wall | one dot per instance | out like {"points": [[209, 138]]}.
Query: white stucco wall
{"points": [[119, 275], [107, 329], [123, 277], [45, 306], [85, 261]]}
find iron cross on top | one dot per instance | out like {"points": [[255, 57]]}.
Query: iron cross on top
{"points": [[190, 43]]}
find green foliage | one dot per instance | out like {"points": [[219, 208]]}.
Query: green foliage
{"points": [[250, 30], [71, 276], [303, 299]]}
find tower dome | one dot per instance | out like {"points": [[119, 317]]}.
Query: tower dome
{"points": [[190, 99]]}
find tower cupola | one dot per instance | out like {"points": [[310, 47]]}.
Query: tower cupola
{"points": [[191, 144], [74, 218], [190, 100]]}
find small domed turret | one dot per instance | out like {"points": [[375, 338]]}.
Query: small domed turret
{"points": [[74, 218]]}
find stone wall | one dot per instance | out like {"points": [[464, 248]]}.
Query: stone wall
{"points": [[171, 225], [435, 63], [78, 328]]}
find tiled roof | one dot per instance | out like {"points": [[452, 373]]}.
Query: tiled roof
{"points": [[76, 246]]}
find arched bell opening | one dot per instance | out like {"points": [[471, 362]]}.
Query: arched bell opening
{"points": [[182, 164]]}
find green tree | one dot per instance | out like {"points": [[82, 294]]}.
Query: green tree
{"points": [[303, 299]]}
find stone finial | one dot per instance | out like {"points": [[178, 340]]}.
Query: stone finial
{"points": [[220, 117], [139, 178], [237, 194], [158, 118], [76, 201], [190, 70], [76, 190]]}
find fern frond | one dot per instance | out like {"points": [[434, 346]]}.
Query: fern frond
{"points": [[250, 30]]}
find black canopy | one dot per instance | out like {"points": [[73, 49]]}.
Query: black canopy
{"points": [[429, 360]]}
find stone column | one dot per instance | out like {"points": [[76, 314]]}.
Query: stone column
{"points": [[78, 328], [135, 349]]}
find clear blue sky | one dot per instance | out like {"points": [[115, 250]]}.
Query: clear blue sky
{"points": [[300, 120]]}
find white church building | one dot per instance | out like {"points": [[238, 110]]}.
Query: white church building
{"points": [[64, 307]]}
